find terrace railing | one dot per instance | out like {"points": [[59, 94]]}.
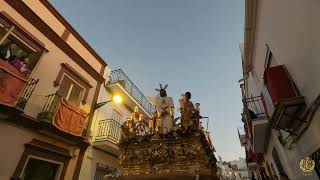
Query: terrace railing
{"points": [[118, 76], [109, 129]]}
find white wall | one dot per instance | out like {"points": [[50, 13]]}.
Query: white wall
{"points": [[291, 30], [91, 158], [105, 112]]}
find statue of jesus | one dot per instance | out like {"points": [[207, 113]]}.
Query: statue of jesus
{"points": [[165, 111]]}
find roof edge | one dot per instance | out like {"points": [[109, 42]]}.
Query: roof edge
{"points": [[55, 12]]}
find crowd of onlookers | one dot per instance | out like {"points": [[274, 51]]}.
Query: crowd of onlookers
{"points": [[20, 62]]}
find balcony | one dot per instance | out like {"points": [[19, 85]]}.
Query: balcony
{"points": [[255, 113], [251, 160], [121, 84], [283, 102], [243, 137], [15, 89], [64, 115], [26, 93], [108, 135]]}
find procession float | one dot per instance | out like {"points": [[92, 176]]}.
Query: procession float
{"points": [[167, 147]]}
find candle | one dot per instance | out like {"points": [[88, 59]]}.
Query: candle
{"points": [[140, 117], [132, 116], [136, 109]]}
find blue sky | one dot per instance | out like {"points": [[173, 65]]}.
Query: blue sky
{"points": [[192, 45]]}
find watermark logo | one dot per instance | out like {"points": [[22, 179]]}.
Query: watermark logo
{"points": [[307, 165]]}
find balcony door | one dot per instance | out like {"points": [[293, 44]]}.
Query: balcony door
{"points": [[70, 90]]}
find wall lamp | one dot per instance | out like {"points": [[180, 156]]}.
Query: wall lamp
{"points": [[117, 99]]}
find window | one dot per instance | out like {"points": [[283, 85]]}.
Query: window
{"points": [[70, 90], [42, 161], [277, 161], [270, 60], [16, 45], [116, 116], [103, 170], [37, 169], [79, 85]]}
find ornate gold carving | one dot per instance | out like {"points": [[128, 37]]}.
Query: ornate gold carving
{"points": [[307, 165]]}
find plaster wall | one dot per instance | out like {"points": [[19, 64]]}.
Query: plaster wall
{"points": [[46, 15], [59, 28], [291, 29], [48, 67], [15, 139]]}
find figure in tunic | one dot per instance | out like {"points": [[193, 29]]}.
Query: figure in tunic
{"points": [[165, 109], [187, 110]]}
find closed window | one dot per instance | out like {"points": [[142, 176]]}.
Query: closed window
{"points": [[70, 90], [116, 116]]}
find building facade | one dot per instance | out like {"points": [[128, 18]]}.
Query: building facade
{"points": [[50, 80], [280, 88], [102, 156], [233, 170]]}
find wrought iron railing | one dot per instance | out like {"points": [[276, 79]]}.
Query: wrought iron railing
{"points": [[254, 108], [50, 107], [118, 76], [26, 93], [109, 129], [104, 170]]}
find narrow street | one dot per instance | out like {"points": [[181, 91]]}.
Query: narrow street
{"points": [[159, 89]]}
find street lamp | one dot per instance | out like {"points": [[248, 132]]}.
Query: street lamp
{"points": [[116, 98]]}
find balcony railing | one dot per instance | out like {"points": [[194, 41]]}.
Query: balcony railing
{"points": [[118, 76], [109, 129], [254, 108], [50, 107], [64, 114], [26, 93]]}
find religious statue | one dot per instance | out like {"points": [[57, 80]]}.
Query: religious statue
{"points": [[187, 110], [165, 110]]}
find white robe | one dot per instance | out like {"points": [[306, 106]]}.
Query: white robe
{"points": [[165, 104]]}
